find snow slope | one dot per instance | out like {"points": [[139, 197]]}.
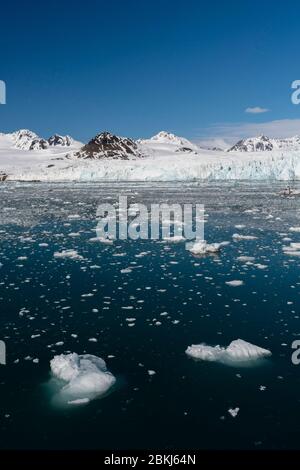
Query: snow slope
{"points": [[165, 142], [21, 152], [164, 157]]}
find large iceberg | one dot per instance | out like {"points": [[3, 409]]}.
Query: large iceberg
{"points": [[84, 377], [237, 352]]}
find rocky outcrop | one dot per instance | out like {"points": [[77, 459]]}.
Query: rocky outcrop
{"points": [[255, 144], [64, 141], [3, 176], [107, 145]]}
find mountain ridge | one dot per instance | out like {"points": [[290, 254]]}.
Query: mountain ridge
{"points": [[107, 157]]}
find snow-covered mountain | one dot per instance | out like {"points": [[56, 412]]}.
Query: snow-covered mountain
{"points": [[25, 156], [107, 145], [263, 144], [25, 139], [167, 141]]}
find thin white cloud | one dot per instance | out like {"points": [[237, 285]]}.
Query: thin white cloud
{"points": [[256, 110], [231, 132]]}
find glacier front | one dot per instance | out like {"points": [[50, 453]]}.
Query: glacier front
{"points": [[162, 158]]}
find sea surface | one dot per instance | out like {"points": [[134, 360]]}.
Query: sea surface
{"points": [[138, 304]]}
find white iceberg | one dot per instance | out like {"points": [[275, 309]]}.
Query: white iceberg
{"points": [[293, 249], [234, 283], [238, 236], [237, 352], [233, 412], [201, 247], [84, 377], [69, 254]]}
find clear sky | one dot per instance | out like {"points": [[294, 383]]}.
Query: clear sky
{"points": [[135, 67]]}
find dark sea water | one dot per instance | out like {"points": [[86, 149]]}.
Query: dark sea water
{"points": [[185, 404]]}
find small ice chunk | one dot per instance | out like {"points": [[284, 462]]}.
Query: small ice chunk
{"points": [[69, 254], [105, 241], [237, 236], [245, 259], [293, 249], [234, 283], [233, 412], [201, 247], [126, 271]]}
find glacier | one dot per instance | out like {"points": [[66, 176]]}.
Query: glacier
{"points": [[164, 157]]}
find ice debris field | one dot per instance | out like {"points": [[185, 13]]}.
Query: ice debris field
{"points": [[149, 331]]}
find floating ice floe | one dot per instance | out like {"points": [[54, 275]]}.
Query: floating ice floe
{"points": [[84, 377], [126, 271], [175, 239], [245, 259], [238, 351], [233, 412], [294, 229], [238, 236], [201, 247], [105, 241], [261, 266], [234, 283], [292, 249], [69, 254]]}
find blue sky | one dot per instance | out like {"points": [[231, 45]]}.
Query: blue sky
{"points": [[136, 67]]}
